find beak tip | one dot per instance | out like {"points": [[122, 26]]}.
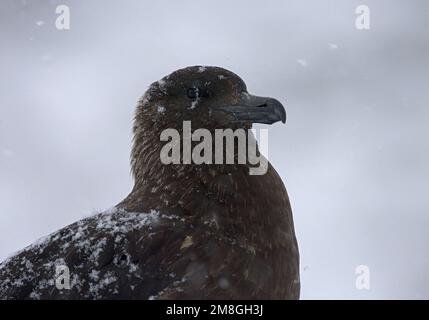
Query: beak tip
{"points": [[280, 110]]}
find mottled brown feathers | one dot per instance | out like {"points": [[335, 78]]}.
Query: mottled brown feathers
{"points": [[185, 231]]}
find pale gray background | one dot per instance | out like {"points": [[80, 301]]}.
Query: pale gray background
{"points": [[353, 155]]}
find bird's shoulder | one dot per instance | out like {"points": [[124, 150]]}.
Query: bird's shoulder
{"points": [[101, 253]]}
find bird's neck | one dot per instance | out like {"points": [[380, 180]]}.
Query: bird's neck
{"points": [[224, 196], [177, 187]]}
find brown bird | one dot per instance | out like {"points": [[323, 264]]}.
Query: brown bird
{"points": [[186, 231]]}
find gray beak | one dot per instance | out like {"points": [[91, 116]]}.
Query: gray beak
{"points": [[255, 109]]}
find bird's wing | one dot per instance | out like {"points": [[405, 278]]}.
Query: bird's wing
{"points": [[109, 255]]}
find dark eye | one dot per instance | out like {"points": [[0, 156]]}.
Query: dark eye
{"points": [[192, 93]]}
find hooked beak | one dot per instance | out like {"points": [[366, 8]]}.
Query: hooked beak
{"points": [[255, 109]]}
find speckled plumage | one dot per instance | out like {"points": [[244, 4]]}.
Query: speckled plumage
{"points": [[185, 231]]}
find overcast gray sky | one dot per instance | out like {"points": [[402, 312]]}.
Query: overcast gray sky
{"points": [[354, 153]]}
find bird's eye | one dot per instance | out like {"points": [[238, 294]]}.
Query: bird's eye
{"points": [[192, 93]]}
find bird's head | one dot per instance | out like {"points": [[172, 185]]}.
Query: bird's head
{"points": [[209, 97]]}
